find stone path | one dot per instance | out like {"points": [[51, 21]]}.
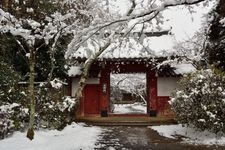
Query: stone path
{"points": [[141, 138]]}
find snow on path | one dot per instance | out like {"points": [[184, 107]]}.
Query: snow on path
{"points": [[190, 135], [135, 108], [72, 137]]}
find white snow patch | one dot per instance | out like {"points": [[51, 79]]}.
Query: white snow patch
{"points": [[222, 21], [56, 83], [183, 68], [30, 10], [74, 70], [201, 120], [68, 103], [190, 135], [132, 48], [72, 137], [8, 107], [135, 108], [17, 1], [27, 55]]}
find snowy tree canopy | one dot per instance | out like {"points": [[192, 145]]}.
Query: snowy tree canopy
{"points": [[142, 17], [50, 27], [90, 23]]}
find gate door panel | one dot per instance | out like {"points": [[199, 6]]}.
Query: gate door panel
{"points": [[91, 99]]}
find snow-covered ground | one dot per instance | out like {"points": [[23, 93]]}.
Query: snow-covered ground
{"points": [[72, 137], [190, 135], [135, 108]]}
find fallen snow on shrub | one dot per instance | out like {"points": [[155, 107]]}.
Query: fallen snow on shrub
{"points": [[200, 100], [74, 136], [190, 135], [56, 83]]}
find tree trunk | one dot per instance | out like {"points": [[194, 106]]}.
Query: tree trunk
{"points": [[30, 132], [84, 75], [52, 57], [52, 60]]}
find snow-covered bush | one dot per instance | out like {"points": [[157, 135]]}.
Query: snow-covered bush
{"points": [[55, 115], [13, 111], [200, 100], [53, 108], [12, 117], [9, 90]]}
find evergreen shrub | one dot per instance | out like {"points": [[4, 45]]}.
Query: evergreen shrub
{"points": [[200, 100]]}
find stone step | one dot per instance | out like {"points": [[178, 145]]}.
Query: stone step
{"points": [[126, 121]]}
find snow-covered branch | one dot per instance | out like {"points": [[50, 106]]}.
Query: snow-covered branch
{"points": [[151, 13]]}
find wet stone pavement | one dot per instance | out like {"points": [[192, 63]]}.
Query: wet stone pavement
{"points": [[141, 138]]}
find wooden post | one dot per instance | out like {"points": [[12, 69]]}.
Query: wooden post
{"points": [[152, 92], [81, 108], [104, 93]]}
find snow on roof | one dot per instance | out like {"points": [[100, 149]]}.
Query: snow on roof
{"points": [[183, 68], [151, 47], [132, 48]]}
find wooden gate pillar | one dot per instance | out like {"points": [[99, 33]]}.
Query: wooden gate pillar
{"points": [[104, 92], [152, 92]]}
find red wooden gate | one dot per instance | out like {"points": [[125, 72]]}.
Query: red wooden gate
{"points": [[91, 99]]}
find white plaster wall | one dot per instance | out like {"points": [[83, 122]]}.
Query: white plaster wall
{"points": [[93, 81], [166, 85], [75, 83]]}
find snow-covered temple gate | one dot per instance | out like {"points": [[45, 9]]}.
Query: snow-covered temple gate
{"points": [[96, 94]]}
